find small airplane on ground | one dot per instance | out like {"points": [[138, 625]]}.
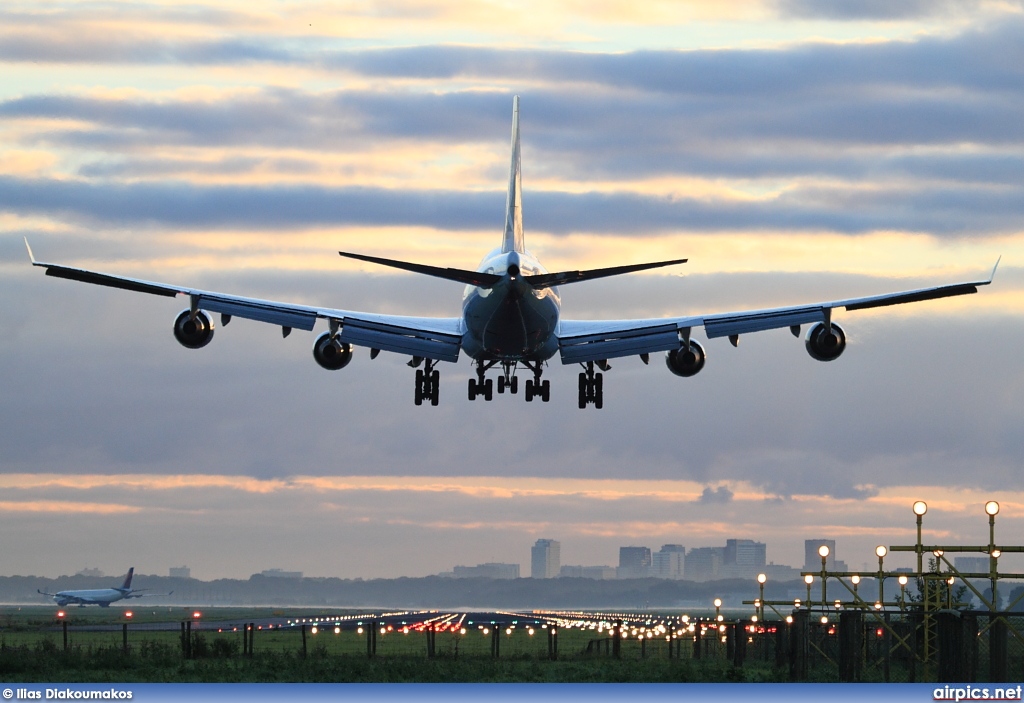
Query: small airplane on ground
{"points": [[510, 318], [102, 597]]}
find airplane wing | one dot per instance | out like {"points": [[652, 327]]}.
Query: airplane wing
{"points": [[581, 341], [137, 594], [428, 337]]}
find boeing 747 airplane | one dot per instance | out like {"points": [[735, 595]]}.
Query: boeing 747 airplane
{"points": [[510, 318], [102, 597]]}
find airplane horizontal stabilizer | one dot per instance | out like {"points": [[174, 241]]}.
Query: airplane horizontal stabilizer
{"points": [[546, 280], [473, 278]]}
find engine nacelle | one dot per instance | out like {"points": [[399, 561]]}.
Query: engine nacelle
{"points": [[824, 344], [193, 331], [686, 362], [330, 353]]}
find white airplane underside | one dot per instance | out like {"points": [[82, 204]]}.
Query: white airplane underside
{"points": [[510, 318]]}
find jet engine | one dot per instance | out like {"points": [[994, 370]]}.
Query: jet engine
{"points": [[330, 353], [825, 344], [193, 331], [686, 362]]}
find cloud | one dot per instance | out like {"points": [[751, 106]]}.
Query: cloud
{"points": [[719, 495]]}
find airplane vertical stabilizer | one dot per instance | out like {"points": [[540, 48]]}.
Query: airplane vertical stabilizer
{"points": [[128, 579], [513, 238]]}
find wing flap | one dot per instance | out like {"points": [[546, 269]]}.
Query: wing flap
{"points": [[102, 279], [914, 296], [744, 323], [261, 311], [401, 340], [594, 347]]}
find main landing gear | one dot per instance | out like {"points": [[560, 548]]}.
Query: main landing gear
{"points": [[535, 388], [508, 381], [483, 386], [428, 381], [592, 385]]}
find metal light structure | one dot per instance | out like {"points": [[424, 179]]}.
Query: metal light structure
{"points": [[992, 509], [808, 579], [761, 578], [823, 552], [903, 590], [920, 508], [880, 552]]}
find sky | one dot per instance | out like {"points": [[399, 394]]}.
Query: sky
{"points": [[793, 150]]}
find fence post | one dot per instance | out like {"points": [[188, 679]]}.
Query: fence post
{"points": [[303, 640], [696, 641], [371, 633], [781, 644], [617, 640], [997, 650], [799, 645], [851, 644], [252, 638], [64, 624], [188, 639], [184, 645], [951, 646], [969, 625], [124, 637], [496, 640], [739, 651]]}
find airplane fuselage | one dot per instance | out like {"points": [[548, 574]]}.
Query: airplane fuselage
{"points": [[102, 597], [511, 320]]}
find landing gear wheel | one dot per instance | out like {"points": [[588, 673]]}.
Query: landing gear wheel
{"points": [[514, 385], [419, 387], [472, 389], [599, 391], [583, 391], [435, 387], [529, 390], [501, 384], [488, 389], [545, 391]]}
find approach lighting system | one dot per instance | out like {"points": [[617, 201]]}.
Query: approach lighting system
{"points": [[761, 578], [823, 551], [881, 551], [808, 579], [992, 508], [920, 508]]}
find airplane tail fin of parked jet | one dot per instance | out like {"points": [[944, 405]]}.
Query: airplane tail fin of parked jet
{"points": [[127, 585]]}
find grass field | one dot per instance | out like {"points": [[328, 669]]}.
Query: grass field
{"points": [[32, 649]]}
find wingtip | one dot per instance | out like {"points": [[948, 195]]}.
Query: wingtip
{"points": [[31, 256], [993, 274]]}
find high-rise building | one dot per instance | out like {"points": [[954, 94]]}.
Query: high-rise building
{"points": [[634, 562], [745, 553], [545, 559], [180, 572], [667, 563], [812, 560], [704, 563]]}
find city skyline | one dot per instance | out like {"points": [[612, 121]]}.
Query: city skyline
{"points": [[790, 151]]}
